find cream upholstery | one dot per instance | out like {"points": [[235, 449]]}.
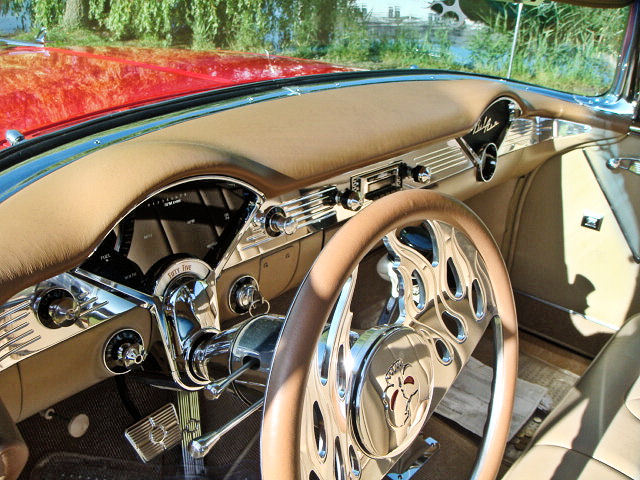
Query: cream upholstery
{"points": [[595, 431]]}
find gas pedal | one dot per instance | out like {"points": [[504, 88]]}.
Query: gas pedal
{"points": [[155, 433]]}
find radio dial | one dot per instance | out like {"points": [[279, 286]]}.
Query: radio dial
{"points": [[351, 200], [421, 174]]}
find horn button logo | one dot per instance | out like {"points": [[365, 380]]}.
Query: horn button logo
{"points": [[400, 395], [392, 393]]}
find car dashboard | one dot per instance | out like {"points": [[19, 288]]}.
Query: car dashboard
{"points": [[258, 241]]}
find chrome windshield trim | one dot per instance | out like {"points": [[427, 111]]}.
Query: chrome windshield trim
{"points": [[623, 86], [23, 174]]}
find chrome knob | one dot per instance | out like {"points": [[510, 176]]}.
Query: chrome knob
{"points": [[131, 354], [243, 294], [63, 310], [421, 174], [123, 351], [56, 308], [276, 222], [351, 200]]}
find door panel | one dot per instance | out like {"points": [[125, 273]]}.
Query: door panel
{"points": [[573, 284]]}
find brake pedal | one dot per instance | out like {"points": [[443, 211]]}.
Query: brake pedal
{"points": [[155, 433]]}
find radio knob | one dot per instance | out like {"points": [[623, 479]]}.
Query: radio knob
{"points": [[421, 174], [276, 222], [351, 200], [56, 308]]}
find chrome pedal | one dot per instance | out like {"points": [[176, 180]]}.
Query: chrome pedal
{"points": [[189, 414], [155, 433]]}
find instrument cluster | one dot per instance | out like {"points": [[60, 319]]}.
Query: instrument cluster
{"points": [[194, 219]]}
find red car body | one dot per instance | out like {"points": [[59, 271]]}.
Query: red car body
{"points": [[44, 89]]}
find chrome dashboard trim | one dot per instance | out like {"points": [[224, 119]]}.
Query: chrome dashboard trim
{"points": [[20, 328], [443, 159], [21, 333], [525, 132]]}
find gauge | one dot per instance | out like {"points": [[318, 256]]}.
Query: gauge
{"points": [[116, 267]]}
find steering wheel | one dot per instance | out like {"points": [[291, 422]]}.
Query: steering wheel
{"points": [[347, 404]]}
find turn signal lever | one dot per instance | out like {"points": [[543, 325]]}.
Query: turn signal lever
{"points": [[245, 351]]}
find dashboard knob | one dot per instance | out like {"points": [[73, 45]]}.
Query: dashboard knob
{"points": [[351, 200], [56, 308], [421, 174], [130, 354], [123, 351], [244, 293], [276, 222]]}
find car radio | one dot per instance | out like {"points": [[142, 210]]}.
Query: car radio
{"points": [[379, 182]]}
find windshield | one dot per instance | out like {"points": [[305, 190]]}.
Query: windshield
{"points": [[108, 55]]}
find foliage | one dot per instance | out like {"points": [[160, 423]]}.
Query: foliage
{"points": [[559, 45]]}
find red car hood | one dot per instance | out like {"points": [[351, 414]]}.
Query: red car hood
{"points": [[45, 89]]}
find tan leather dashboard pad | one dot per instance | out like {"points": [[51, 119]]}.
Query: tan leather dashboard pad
{"points": [[277, 146]]}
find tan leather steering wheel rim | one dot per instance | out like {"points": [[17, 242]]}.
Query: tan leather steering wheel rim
{"points": [[281, 428]]}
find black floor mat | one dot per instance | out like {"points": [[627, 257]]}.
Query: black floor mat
{"points": [[82, 467], [105, 440]]}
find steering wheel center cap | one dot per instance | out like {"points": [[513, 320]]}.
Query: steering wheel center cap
{"points": [[393, 392]]}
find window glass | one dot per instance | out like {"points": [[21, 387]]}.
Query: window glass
{"points": [[559, 46]]}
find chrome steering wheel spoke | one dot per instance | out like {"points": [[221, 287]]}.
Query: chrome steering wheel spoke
{"points": [[444, 293], [369, 394], [325, 411]]}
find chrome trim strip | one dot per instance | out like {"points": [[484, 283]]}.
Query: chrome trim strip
{"points": [[622, 86]]}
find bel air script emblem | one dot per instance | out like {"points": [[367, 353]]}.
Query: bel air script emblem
{"points": [[401, 388], [485, 124]]}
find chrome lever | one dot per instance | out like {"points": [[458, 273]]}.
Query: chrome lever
{"points": [[201, 446], [629, 164], [214, 390]]}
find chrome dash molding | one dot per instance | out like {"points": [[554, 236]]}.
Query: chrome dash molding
{"points": [[443, 160], [22, 334]]}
